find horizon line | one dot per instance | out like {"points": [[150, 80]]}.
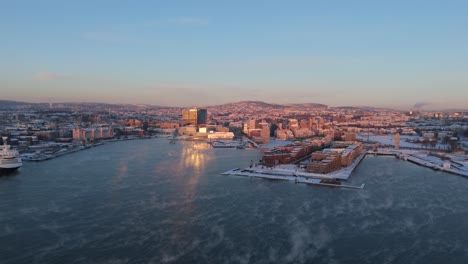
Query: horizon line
{"points": [[395, 108]]}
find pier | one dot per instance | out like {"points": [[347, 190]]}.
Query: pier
{"points": [[286, 177], [431, 165], [428, 161], [334, 179], [292, 173]]}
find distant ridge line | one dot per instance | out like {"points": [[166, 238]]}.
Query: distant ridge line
{"points": [[11, 104]]}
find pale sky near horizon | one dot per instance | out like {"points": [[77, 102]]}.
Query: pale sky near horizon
{"points": [[187, 53]]}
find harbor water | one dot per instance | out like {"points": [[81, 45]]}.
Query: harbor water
{"points": [[148, 201]]}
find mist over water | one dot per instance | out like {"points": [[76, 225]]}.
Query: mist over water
{"points": [[149, 201]]}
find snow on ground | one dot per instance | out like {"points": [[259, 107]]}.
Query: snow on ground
{"points": [[275, 143], [293, 170], [458, 164], [295, 178], [390, 141]]}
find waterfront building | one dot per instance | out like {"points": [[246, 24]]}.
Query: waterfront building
{"points": [[265, 133], [190, 117], [328, 160], [202, 116], [168, 125], [287, 154], [324, 163], [350, 153], [221, 135], [194, 116], [187, 130], [80, 133], [47, 135]]}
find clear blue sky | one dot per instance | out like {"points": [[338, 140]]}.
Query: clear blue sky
{"points": [[184, 53]]}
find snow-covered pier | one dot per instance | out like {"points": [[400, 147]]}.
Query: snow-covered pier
{"points": [[435, 161], [288, 177], [291, 172], [460, 171]]}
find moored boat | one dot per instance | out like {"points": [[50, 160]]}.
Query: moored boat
{"points": [[9, 158]]}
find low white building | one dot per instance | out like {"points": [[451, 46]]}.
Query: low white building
{"points": [[221, 135]]}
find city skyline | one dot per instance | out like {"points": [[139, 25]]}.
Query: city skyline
{"points": [[398, 55]]}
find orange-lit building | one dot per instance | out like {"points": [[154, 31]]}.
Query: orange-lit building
{"points": [[326, 163], [286, 154], [92, 133], [169, 125], [332, 159]]}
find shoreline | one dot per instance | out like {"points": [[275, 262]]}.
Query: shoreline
{"points": [[432, 163], [291, 173], [43, 157]]}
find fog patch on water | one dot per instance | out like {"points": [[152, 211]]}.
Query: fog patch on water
{"points": [[216, 237], [114, 260], [29, 210], [178, 249], [7, 230], [53, 207], [306, 241], [242, 259]]}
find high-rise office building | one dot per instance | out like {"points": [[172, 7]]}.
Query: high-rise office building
{"points": [[189, 117], [202, 116], [194, 116]]}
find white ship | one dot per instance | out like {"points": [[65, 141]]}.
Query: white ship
{"points": [[9, 158]]}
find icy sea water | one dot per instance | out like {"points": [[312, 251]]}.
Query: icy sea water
{"points": [[149, 201]]}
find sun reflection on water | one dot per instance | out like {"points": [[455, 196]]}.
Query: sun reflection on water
{"points": [[194, 159], [194, 156], [123, 169]]}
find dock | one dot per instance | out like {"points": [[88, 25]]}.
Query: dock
{"points": [[336, 178], [296, 179], [421, 161], [381, 153], [434, 166], [333, 179]]}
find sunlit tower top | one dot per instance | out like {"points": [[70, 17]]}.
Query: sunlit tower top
{"points": [[397, 141]]}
